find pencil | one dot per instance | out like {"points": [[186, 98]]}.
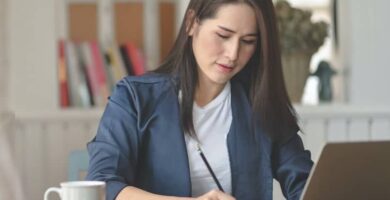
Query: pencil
{"points": [[209, 168]]}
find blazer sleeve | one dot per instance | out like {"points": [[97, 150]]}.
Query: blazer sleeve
{"points": [[292, 165], [114, 150]]}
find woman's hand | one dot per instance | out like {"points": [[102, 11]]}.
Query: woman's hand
{"points": [[131, 192], [215, 195]]}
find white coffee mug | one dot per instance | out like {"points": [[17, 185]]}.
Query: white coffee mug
{"points": [[79, 190]]}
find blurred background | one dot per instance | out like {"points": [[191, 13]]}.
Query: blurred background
{"points": [[59, 60]]}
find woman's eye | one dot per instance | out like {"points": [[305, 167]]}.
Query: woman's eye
{"points": [[249, 41], [222, 36]]}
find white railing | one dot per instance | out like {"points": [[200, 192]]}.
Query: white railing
{"points": [[41, 142], [334, 123], [10, 181]]}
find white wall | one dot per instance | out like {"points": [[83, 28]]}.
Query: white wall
{"points": [[152, 32], [364, 38], [181, 9], [31, 51], [3, 65]]}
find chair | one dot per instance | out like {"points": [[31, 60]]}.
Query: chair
{"points": [[78, 165]]}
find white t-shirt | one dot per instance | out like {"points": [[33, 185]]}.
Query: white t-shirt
{"points": [[212, 123]]}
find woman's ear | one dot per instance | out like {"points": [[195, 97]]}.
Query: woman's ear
{"points": [[191, 22]]}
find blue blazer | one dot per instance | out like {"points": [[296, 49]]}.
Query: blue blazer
{"points": [[140, 142]]}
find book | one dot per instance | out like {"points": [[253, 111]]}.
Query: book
{"points": [[62, 76], [109, 71], [100, 72], [79, 95], [126, 60], [86, 95], [116, 61], [136, 59], [92, 78]]}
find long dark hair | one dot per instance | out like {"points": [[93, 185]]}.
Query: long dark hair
{"points": [[262, 76]]}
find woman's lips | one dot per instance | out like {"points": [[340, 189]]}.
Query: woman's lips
{"points": [[224, 68]]}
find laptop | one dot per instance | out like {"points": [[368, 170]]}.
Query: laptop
{"points": [[353, 170]]}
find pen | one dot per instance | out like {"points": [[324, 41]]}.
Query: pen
{"points": [[209, 168]]}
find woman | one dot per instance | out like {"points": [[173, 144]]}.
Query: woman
{"points": [[218, 97]]}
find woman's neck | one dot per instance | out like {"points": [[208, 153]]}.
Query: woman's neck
{"points": [[205, 93]]}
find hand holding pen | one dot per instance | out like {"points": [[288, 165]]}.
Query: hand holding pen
{"points": [[215, 195]]}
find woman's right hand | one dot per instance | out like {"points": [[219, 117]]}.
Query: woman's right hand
{"points": [[215, 195]]}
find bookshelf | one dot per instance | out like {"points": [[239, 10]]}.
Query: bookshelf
{"points": [[124, 36], [35, 28]]}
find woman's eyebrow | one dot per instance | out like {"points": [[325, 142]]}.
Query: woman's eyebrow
{"points": [[231, 31]]}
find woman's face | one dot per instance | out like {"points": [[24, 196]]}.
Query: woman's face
{"points": [[224, 44]]}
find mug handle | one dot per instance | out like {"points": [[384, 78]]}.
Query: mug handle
{"points": [[52, 189]]}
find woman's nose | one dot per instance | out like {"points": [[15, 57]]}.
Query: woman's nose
{"points": [[232, 50]]}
